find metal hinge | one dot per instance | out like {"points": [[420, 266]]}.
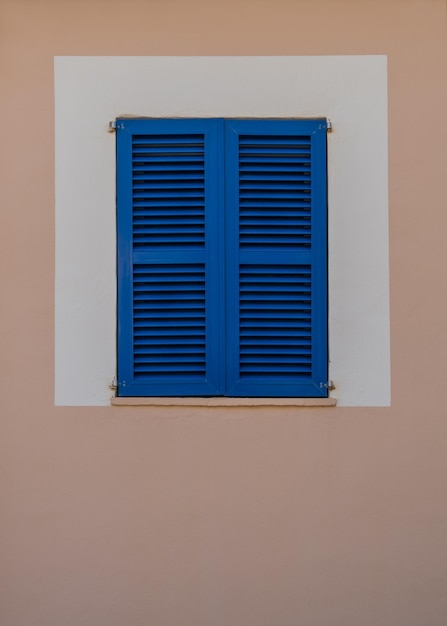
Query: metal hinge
{"points": [[114, 385], [328, 125], [329, 385], [112, 126]]}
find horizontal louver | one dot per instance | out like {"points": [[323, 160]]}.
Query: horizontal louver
{"points": [[168, 190], [274, 191], [275, 322], [169, 321]]}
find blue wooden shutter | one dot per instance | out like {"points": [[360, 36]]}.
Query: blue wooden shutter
{"points": [[276, 257], [170, 270]]}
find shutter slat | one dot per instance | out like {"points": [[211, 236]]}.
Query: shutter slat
{"points": [[176, 150], [169, 194], [274, 170], [153, 222], [283, 140], [163, 215], [267, 350], [156, 185], [173, 350], [165, 170], [189, 334], [274, 163], [179, 139], [172, 160], [160, 203], [273, 194], [296, 176], [292, 148]]}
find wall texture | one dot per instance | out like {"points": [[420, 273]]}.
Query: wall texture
{"points": [[218, 516]]}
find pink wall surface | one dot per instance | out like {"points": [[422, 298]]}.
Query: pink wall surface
{"points": [[224, 516]]}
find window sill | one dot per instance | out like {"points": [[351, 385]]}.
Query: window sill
{"points": [[221, 402]]}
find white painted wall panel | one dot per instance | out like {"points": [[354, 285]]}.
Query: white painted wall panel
{"points": [[350, 90]]}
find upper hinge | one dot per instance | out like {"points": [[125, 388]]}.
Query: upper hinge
{"points": [[328, 125], [112, 126]]}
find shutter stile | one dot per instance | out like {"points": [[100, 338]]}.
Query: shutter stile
{"points": [[167, 245]]}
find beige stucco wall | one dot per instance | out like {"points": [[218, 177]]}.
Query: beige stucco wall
{"points": [[219, 516]]}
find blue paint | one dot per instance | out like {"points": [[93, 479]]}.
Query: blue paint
{"points": [[222, 257]]}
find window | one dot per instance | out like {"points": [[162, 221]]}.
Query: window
{"points": [[222, 257]]}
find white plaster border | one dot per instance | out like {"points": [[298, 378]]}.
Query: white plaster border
{"points": [[350, 90]]}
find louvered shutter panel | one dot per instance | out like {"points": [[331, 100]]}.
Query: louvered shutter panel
{"points": [[170, 276], [276, 254]]}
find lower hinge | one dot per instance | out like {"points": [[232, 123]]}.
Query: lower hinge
{"points": [[114, 385], [329, 385]]}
